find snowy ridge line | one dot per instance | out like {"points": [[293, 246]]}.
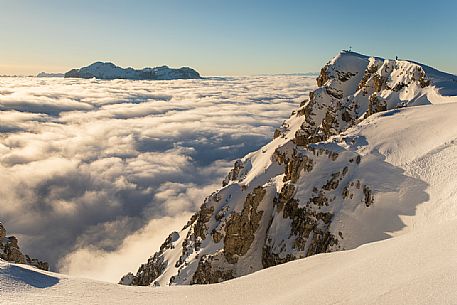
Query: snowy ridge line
{"points": [[314, 188]]}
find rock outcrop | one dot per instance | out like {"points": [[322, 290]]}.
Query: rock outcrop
{"points": [[300, 194], [107, 70], [10, 251]]}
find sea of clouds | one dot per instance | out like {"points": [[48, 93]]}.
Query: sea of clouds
{"points": [[94, 174]]}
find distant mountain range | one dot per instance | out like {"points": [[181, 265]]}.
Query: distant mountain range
{"points": [[45, 74], [107, 70]]}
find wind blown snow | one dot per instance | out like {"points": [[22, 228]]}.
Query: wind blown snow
{"points": [[96, 171]]}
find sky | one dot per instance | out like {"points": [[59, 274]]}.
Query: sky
{"points": [[236, 37]]}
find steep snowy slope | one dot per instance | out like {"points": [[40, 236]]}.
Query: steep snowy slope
{"points": [[417, 267], [107, 70], [316, 187]]}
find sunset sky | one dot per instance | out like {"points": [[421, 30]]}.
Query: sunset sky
{"points": [[221, 37]]}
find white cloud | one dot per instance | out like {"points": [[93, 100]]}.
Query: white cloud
{"points": [[87, 166]]}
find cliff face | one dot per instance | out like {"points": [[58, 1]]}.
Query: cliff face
{"points": [[10, 251], [311, 190], [107, 70]]}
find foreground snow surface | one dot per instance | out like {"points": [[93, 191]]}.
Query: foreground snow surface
{"points": [[417, 266]]}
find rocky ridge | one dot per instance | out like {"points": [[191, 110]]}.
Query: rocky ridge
{"points": [[10, 251], [308, 191]]}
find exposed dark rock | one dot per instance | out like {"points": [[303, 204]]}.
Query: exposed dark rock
{"points": [[399, 86], [376, 104], [345, 76], [270, 259], [358, 159], [36, 263], [295, 165], [329, 123], [379, 82], [203, 217], [217, 236], [234, 172], [423, 81], [2, 232], [319, 200], [323, 77], [368, 196], [208, 273], [277, 133], [333, 183], [345, 192], [148, 272], [370, 70], [10, 251], [241, 227], [336, 93]]}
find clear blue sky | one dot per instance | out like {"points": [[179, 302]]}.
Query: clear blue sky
{"points": [[232, 37]]}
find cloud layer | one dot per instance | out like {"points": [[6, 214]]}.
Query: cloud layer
{"points": [[93, 171]]}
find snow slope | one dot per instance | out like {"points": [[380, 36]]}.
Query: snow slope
{"points": [[417, 267]]}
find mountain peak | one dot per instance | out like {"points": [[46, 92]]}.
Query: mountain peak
{"points": [[310, 190]]}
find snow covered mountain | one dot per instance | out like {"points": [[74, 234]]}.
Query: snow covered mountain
{"points": [[107, 70], [385, 180], [10, 251], [322, 184]]}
